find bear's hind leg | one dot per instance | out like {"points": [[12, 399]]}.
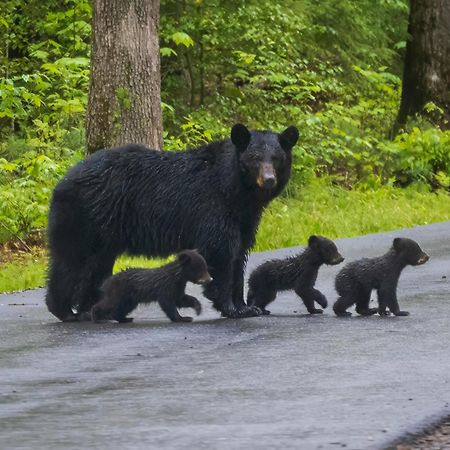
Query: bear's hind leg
{"points": [[61, 286], [261, 298], [96, 270], [362, 304], [342, 303]]}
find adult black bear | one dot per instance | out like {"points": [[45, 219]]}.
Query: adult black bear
{"points": [[354, 283], [144, 202], [121, 293], [296, 272]]}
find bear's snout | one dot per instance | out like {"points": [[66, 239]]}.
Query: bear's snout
{"points": [[266, 176], [205, 280], [423, 259], [337, 260]]}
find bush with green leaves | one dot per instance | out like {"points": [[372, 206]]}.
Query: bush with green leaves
{"points": [[331, 68]]}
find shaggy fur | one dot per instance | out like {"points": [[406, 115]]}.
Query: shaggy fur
{"points": [[355, 282], [121, 293], [145, 202], [298, 273]]}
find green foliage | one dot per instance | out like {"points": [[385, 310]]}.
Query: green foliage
{"points": [[333, 211], [26, 186], [331, 67], [323, 208]]}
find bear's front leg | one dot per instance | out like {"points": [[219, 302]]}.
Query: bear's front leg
{"points": [[188, 301], [219, 291], [320, 298], [238, 291], [387, 295], [169, 306], [308, 297]]}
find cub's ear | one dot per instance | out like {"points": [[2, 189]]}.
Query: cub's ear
{"points": [[313, 241], [240, 136], [288, 138], [184, 258], [397, 244]]}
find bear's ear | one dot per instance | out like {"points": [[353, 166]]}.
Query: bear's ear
{"points": [[288, 138], [240, 136], [184, 258], [397, 244], [313, 241]]}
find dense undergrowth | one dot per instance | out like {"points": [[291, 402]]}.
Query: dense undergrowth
{"points": [[320, 208], [331, 68]]}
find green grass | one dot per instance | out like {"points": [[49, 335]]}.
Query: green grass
{"points": [[335, 212], [24, 273], [320, 208]]}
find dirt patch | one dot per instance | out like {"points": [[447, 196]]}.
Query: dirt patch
{"points": [[21, 250]]}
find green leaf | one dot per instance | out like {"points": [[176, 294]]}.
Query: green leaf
{"points": [[181, 38], [167, 51]]}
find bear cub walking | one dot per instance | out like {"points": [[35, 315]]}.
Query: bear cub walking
{"points": [[296, 272], [354, 283], [121, 293]]}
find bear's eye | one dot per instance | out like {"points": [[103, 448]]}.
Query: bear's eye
{"points": [[277, 159]]}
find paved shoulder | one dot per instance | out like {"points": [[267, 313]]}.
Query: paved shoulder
{"points": [[288, 380]]}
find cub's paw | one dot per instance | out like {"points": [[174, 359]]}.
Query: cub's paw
{"points": [[242, 312], [315, 311], [183, 319], [384, 313], [321, 300], [343, 314], [125, 319], [401, 313], [265, 312], [367, 312]]}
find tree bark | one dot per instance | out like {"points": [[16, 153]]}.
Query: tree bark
{"points": [[426, 76], [125, 86]]}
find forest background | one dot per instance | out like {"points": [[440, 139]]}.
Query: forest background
{"points": [[332, 68]]}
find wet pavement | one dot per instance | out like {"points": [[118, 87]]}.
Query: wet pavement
{"points": [[288, 380]]}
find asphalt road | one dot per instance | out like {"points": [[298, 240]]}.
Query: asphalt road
{"points": [[288, 380]]}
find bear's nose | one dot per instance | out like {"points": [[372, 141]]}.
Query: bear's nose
{"points": [[269, 182], [266, 177], [205, 280], [423, 259]]}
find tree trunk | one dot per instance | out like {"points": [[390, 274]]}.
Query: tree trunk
{"points": [[125, 86], [426, 75]]}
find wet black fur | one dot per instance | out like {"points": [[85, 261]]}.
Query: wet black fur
{"points": [[297, 272], [144, 202], [121, 293], [355, 282]]}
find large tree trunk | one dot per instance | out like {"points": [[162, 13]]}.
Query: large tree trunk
{"points": [[426, 75], [125, 86]]}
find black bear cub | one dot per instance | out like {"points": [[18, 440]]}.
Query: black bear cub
{"points": [[296, 272], [121, 293], [354, 283]]}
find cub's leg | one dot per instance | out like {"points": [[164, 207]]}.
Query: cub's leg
{"points": [[387, 296], [308, 296], [320, 298], [261, 299], [188, 301], [169, 306], [362, 303]]}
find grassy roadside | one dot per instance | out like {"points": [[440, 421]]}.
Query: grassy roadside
{"points": [[320, 209]]}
